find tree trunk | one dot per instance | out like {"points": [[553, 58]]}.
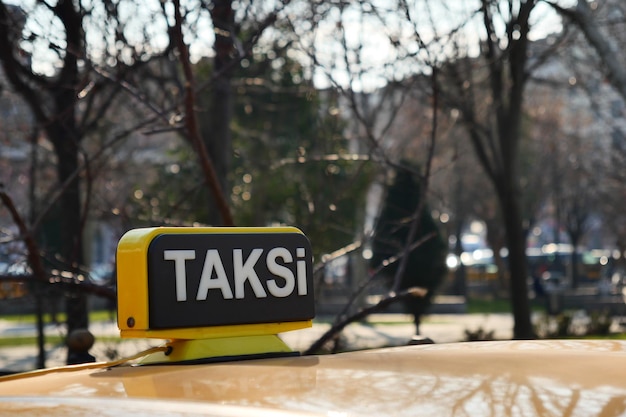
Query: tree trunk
{"points": [[574, 261], [65, 143], [515, 237], [218, 139]]}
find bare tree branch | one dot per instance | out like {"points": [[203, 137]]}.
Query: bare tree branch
{"points": [[385, 302], [582, 16], [191, 121]]}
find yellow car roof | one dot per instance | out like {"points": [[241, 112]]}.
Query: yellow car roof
{"points": [[537, 378]]}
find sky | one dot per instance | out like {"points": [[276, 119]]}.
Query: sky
{"points": [[371, 60], [370, 37]]}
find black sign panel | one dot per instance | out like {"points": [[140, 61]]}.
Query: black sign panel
{"points": [[198, 280]]}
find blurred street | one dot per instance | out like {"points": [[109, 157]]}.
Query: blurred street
{"points": [[381, 330]]}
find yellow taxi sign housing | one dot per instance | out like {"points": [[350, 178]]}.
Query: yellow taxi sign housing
{"points": [[213, 282]]}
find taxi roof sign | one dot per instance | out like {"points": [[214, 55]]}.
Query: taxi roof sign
{"points": [[213, 282]]}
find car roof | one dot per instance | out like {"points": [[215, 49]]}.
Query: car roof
{"points": [[549, 377]]}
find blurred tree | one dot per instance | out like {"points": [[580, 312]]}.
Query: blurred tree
{"points": [[426, 263], [71, 71], [216, 129], [482, 76], [196, 101], [494, 126], [602, 24], [603, 27], [67, 99], [577, 191], [291, 161]]}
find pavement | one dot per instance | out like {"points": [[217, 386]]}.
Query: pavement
{"points": [[381, 330]]}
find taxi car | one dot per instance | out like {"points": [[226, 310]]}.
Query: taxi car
{"points": [[222, 297]]}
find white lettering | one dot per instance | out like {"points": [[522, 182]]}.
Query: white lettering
{"points": [[213, 262], [245, 271], [179, 257], [301, 271], [281, 282], [280, 271]]}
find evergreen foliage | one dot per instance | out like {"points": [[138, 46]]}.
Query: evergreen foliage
{"points": [[426, 265], [290, 166], [291, 163]]}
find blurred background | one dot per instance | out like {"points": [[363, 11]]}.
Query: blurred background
{"points": [[476, 149]]}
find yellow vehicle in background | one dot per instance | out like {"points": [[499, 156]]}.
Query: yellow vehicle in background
{"points": [[221, 297]]}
